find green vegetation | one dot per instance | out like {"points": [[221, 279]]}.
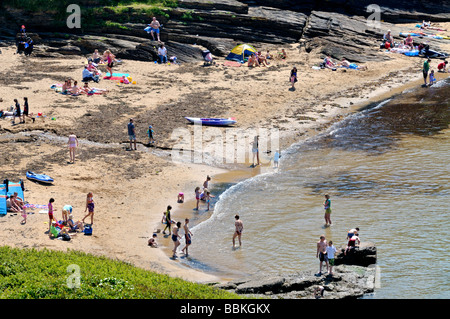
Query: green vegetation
{"points": [[100, 13], [33, 274]]}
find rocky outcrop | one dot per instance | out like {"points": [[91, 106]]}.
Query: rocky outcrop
{"points": [[346, 282], [336, 28], [353, 276], [363, 255]]}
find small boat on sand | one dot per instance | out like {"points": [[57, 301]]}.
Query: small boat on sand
{"points": [[41, 178], [212, 121]]}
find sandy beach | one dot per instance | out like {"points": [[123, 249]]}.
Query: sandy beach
{"points": [[133, 188]]}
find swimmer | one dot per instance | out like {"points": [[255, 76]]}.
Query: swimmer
{"points": [[327, 207], [239, 227]]}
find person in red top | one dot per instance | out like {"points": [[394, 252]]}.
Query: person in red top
{"points": [[442, 67]]}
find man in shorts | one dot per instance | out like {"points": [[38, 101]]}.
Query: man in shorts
{"points": [[132, 134], [154, 28], [321, 253]]}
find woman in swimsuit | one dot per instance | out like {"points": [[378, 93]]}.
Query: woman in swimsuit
{"points": [[175, 237], [89, 207], [238, 231], [73, 144], [327, 207]]}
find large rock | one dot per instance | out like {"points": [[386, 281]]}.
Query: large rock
{"points": [[363, 255], [346, 282]]}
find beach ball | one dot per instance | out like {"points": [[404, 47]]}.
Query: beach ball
{"points": [[156, 62], [168, 63]]}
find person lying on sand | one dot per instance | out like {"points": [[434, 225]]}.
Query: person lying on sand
{"points": [[346, 64]]}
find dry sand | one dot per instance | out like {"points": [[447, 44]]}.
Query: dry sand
{"points": [[132, 188]]}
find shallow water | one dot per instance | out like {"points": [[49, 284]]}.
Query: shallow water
{"points": [[387, 171]]}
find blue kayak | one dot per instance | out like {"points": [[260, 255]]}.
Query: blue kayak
{"points": [[212, 121], [42, 178]]}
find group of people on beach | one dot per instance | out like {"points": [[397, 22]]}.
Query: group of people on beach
{"points": [[441, 67], [174, 227], [131, 129], [259, 59], [174, 231], [66, 227], [16, 111]]}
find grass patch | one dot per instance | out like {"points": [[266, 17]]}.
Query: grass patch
{"points": [[33, 274]]}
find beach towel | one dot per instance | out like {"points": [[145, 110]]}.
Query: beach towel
{"points": [[115, 76], [232, 63]]}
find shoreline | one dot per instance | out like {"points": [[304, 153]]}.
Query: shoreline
{"points": [[241, 173]]}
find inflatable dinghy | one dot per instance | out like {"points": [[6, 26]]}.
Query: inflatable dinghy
{"points": [[41, 178]]}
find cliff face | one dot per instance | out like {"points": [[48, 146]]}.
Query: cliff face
{"points": [[335, 27]]}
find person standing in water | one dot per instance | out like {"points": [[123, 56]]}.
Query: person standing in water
{"points": [[168, 220], [175, 238], [327, 207], [239, 227], [187, 236], [255, 150], [73, 144]]}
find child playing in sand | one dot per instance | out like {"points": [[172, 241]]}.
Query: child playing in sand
{"points": [[432, 78], [152, 241], [125, 80], [180, 198]]}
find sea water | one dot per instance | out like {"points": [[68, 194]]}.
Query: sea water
{"points": [[386, 168]]}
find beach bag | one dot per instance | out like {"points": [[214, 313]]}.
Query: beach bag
{"points": [[87, 230]]}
